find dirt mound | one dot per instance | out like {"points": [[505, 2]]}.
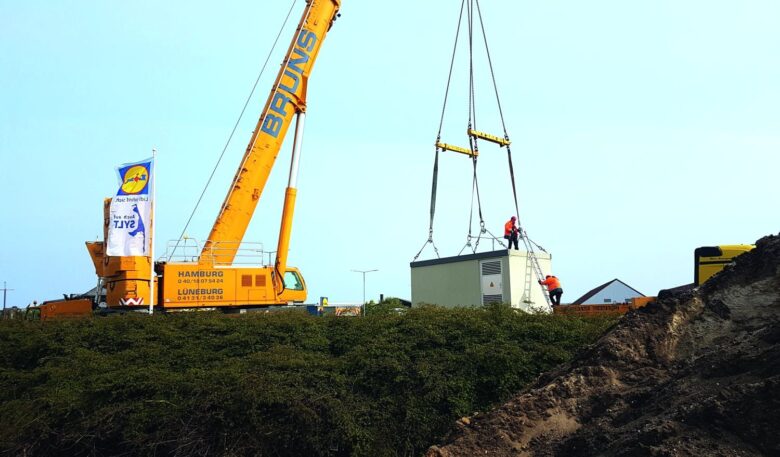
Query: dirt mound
{"points": [[695, 373]]}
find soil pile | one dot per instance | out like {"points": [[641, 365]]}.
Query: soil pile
{"points": [[695, 373]]}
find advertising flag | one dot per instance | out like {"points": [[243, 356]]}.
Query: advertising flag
{"points": [[129, 225]]}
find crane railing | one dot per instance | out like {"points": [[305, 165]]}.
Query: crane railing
{"points": [[246, 253]]}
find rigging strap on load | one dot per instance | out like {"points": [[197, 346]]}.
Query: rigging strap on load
{"points": [[432, 208], [429, 240], [471, 7], [439, 146]]}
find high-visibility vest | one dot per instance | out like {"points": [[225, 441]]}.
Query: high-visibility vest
{"points": [[552, 283]]}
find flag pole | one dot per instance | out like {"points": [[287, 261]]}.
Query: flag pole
{"points": [[151, 239]]}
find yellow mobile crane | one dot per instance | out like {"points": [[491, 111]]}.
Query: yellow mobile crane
{"points": [[212, 280]]}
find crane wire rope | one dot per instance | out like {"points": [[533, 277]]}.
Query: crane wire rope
{"points": [[473, 140], [472, 9], [503, 126], [435, 179], [235, 127], [501, 115], [473, 145], [529, 244]]}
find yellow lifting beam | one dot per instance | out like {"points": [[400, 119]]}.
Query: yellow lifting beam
{"points": [[501, 142], [488, 137], [449, 147]]}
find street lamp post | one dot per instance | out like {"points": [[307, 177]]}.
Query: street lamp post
{"points": [[6, 289], [364, 281]]}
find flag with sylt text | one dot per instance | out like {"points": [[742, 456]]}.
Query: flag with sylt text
{"points": [[129, 224]]}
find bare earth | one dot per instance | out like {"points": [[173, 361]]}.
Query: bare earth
{"points": [[696, 373]]}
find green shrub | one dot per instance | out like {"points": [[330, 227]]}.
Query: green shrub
{"points": [[280, 384]]}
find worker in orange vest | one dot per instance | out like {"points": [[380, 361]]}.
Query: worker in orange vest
{"points": [[553, 288], [510, 232]]}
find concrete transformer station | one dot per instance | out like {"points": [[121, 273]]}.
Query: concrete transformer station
{"points": [[503, 276]]}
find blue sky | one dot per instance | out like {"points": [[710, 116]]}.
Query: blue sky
{"points": [[641, 130]]}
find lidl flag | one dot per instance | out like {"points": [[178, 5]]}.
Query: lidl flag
{"points": [[134, 178], [129, 225]]}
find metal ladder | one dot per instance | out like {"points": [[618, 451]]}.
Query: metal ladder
{"points": [[527, 283], [537, 269]]}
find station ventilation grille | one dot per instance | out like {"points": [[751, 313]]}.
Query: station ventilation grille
{"points": [[491, 272], [487, 299], [492, 267]]}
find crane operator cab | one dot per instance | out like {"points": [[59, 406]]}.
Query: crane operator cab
{"points": [[293, 280]]}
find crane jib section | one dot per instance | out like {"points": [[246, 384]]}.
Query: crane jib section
{"points": [[285, 93], [286, 99]]}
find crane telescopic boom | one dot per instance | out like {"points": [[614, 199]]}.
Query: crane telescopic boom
{"points": [[287, 98]]}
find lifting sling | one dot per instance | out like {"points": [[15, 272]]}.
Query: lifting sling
{"points": [[472, 9]]}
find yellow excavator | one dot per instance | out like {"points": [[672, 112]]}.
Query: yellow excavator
{"points": [[211, 280]]}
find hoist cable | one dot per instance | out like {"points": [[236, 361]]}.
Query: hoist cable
{"points": [[535, 244], [473, 119], [472, 102], [476, 188], [235, 127], [501, 114], [479, 200], [423, 247], [514, 186], [495, 238], [435, 179], [471, 215], [452, 65], [471, 206], [492, 73], [434, 185], [472, 10], [528, 242], [470, 122]]}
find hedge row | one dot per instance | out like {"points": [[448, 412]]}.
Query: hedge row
{"points": [[277, 384]]}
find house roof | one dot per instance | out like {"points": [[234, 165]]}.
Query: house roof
{"points": [[598, 289]]}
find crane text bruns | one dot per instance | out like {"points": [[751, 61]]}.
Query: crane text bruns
{"points": [[293, 73]]}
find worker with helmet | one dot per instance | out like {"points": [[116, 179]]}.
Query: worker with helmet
{"points": [[511, 232], [553, 288]]}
